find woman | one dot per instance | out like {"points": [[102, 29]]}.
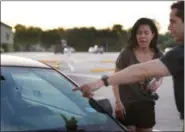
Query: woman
{"points": [[134, 105]]}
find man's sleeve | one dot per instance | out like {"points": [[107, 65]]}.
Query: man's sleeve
{"points": [[172, 61]]}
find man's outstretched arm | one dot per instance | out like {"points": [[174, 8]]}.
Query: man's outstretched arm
{"points": [[171, 63], [138, 72], [131, 74]]}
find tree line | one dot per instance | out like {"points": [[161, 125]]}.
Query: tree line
{"points": [[113, 39]]}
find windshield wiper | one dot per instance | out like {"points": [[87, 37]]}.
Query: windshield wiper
{"points": [[99, 108]]}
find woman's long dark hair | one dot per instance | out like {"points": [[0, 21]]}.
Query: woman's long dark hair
{"points": [[132, 42]]}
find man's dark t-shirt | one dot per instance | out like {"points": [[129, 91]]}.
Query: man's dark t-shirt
{"points": [[174, 61]]}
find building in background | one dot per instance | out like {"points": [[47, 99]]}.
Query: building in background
{"points": [[6, 37]]}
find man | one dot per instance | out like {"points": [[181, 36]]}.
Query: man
{"points": [[170, 64]]}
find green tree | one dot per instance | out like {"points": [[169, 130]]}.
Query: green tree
{"points": [[24, 36], [51, 37], [166, 40]]}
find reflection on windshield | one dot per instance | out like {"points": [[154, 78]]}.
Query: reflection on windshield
{"points": [[71, 124], [42, 99]]}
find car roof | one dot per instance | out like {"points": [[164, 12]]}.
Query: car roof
{"points": [[9, 60]]}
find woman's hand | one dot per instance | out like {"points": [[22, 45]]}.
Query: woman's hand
{"points": [[120, 110]]}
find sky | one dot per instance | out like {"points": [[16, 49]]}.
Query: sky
{"points": [[70, 14]]}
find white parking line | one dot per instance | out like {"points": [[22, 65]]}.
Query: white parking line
{"points": [[156, 130]]}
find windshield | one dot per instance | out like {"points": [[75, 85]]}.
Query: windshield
{"points": [[42, 99]]}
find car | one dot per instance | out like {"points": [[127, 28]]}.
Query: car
{"points": [[58, 49], [69, 50], [96, 49], [38, 97], [167, 49]]}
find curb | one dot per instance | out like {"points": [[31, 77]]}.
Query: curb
{"points": [[53, 63], [57, 64], [50, 61], [102, 70]]}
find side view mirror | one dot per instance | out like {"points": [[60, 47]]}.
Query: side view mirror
{"points": [[103, 105]]}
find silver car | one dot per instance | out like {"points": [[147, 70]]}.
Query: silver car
{"points": [[69, 50], [37, 97], [96, 49]]}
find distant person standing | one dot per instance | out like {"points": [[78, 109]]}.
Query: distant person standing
{"points": [[63, 45]]}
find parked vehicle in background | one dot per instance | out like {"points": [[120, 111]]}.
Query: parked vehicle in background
{"points": [[69, 50], [58, 49], [167, 49], [96, 49]]}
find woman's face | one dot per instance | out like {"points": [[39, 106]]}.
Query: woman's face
{"points": [[144, 36]]}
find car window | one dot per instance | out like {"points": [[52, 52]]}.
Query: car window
{"points": [[35, 89], [42, 99]]}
